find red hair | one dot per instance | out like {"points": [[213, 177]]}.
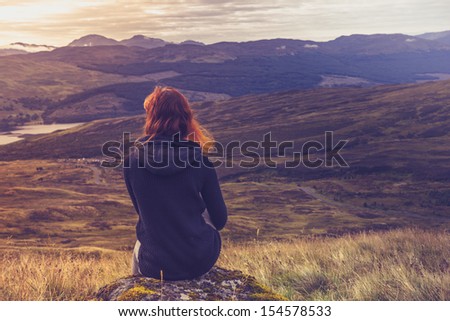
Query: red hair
{"points": [[169, 113]]}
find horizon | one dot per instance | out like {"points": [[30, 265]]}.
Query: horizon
{"points": [[6, 45], [57, 23]]}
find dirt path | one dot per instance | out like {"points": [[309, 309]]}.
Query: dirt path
{"points": [[96, 174], [312, 192]]}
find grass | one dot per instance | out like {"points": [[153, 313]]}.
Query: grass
{"points": [[57, 274], [396, 265]]}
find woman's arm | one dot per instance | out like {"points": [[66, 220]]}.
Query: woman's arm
{"points": [[212, 196], [126, 173]]}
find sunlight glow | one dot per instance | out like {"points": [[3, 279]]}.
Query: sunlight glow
{"points": [[33, 12], [41, 10], [154, 11]]}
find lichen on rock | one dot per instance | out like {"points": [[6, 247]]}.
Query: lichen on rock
{"points": [[217, 285], [135, 293]]}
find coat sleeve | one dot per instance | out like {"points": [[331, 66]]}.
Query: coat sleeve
{"points": [[212, 196], [126, 173]]}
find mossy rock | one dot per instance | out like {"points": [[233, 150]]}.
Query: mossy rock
{"points": [[216, 285]]}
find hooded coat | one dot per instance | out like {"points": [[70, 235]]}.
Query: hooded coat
{"points": [[171, 184]]}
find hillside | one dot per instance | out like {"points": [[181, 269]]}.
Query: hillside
{"points": [[123, 99], [374, 119], [394, 133], [31, 86]]}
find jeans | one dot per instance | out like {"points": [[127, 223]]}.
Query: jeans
{"points": [[135, 259]]}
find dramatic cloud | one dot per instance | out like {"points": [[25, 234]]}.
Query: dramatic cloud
{"points": [[58, 21]]}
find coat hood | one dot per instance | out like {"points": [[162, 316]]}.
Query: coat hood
{"points": [[165, 156]]}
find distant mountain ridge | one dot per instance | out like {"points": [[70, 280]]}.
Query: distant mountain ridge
{"points": [[143, 41], [135, 41], [359, 43], [443, 36], [103, 77], [93, 40], [383, 44]]}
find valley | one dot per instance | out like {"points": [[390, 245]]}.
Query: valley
{"points": [[54, 189]]}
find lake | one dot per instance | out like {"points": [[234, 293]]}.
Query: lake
{"points": [[18, 133]]}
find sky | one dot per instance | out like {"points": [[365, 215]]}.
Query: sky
{"points": [[58, 22]]}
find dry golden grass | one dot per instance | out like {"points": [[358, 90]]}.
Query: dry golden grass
{"points": [[58, 274], [396, 265]]}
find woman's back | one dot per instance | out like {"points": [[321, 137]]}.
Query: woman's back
{"points": [[171, 184]]}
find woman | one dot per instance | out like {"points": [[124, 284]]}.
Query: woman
{"points": [[175, 191]]}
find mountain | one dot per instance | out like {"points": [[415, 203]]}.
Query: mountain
{"points": [[355, 44], [443, 36], [93, 40], [143, 41], [382, 44], [192, 42], [271, 47], [98, 40]]}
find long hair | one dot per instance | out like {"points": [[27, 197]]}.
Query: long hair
{"points": [[169, 113]]}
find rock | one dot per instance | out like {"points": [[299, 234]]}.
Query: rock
{"points": [[216, 285]]}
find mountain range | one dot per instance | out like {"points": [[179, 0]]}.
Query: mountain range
{"points": [[91, 41], [137, 40], [96, 77], [149, 42]]}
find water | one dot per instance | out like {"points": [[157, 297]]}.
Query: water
{"points": [[16, 135]]}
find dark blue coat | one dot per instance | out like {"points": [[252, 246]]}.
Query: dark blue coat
{"points": [[171, 184]]}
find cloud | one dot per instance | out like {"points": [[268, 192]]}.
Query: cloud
{"points": [[59, 22]]}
